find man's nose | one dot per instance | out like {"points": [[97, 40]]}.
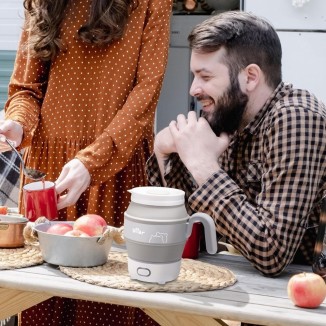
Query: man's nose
{"points": [[195, 89]]}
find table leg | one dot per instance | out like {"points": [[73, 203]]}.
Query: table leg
{"points": [[172, 318], [15, 301]]}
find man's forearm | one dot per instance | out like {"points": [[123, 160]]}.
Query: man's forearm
{"points": [[161, 160]]}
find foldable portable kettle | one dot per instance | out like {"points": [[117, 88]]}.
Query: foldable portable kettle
{"points": [[156, 229]]}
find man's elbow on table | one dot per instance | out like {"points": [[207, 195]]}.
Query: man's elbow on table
{"points": [[270, 265]]}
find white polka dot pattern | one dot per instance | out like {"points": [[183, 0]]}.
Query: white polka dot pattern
{"points": [[99, 106], [68, 312]]}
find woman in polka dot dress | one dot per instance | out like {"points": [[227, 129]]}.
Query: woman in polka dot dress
{"points": [[82, 100]]}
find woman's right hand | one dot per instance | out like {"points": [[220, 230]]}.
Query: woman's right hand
{"points": [[11, 130]]}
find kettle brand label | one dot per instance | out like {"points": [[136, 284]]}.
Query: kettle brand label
{"points": [[138, 231], [4, 227]]}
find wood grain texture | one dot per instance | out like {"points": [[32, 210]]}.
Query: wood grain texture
{"points": [[253, 298], [14, 301], [167, 318]]}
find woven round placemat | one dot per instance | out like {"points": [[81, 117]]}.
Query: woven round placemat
{"points": [[194, 276], [20, 257]]}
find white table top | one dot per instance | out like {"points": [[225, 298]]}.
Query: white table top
{"points": [[253, 298]]}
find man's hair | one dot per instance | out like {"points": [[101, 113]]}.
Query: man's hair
{"points": [[246, 38]]}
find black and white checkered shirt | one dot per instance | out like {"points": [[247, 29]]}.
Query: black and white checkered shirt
{"points": [[265, 199]]}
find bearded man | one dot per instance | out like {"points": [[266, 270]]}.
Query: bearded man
{"points": [[255, 159]]}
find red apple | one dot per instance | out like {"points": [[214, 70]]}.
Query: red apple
{"points": [[59, 228], [307, 290], [76, 233], [3, 210], [92, 224]]}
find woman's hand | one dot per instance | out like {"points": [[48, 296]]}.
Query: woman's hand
{"points": [[11, 130], [74, 178]]}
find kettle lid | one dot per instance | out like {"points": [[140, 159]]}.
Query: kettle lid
{"points": [[157, 196]]}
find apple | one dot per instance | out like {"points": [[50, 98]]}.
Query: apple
{"points": [[307, 290], [3, 210], [59, 228], [76, 233], [92, 224]]}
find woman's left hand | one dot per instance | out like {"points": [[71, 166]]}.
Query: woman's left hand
{"points": [[74, 178]]}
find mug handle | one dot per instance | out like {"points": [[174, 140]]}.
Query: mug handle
{"points": [[209, 228]]}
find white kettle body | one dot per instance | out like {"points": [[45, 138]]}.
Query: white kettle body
{"points": [[156, 229]]}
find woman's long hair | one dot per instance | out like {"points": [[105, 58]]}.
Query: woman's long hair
{"points": [[107, 22]]}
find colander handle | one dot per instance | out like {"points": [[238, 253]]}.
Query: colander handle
{"points": [[29, 233], [113, 232]]}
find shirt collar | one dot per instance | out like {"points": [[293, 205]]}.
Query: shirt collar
{"points": [[278, 93]]}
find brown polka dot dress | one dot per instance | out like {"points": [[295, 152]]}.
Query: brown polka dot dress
{"points": [[96, 104]]}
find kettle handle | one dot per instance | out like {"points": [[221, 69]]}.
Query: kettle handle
{"points": [[209, 228]]}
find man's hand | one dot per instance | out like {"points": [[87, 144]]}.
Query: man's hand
{"points": [[74, 178], [164, 143], [163, 147], [11, 130], [197, 145]]}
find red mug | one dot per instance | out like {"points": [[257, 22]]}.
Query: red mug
{"points": [[40, 199], [192, 245]]}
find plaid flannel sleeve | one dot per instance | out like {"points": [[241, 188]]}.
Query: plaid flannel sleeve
{"points": [[9, 179], [176, 175]]}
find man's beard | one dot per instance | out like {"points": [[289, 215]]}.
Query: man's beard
{"points": [[228, 111]]}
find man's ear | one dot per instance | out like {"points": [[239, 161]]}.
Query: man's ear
{"points": [[253, 76]]}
